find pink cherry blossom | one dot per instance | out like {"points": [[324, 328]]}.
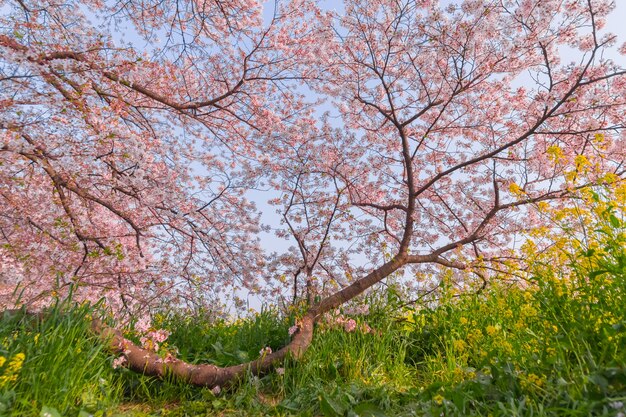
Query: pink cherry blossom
{"points": [[303, 157], [349, 325], [119, 361]]}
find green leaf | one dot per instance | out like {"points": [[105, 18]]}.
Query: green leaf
{"points": [[330, 407], [89, 401], [599, 380], [368, 410], [218, 348], [242, 356], [615, 222], [290, 404], [614, 375], [594, 274], [49, 412]]}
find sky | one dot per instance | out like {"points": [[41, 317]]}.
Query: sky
{"points": [[616, 23]]}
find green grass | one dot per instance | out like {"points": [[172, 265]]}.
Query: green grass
{"points": [[64, 366], [554, 347]]}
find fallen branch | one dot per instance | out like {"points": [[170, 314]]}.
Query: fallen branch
{"points": [[149, 363]]}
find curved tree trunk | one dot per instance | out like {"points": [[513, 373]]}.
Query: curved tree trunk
{"points": [[149, 363]]}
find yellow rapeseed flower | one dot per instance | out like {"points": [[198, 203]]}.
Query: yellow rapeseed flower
{"points": [[459, 345], [16, 363], [543, 206], [610, 178], [620, 194], [528, 311], [531, 380], [516, 190], [491, 330], [474, 336], [555, 153], [507, 347], [12, 369]]}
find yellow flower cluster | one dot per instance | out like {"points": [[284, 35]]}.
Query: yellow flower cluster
{"points": [[555, 153], [532, 382], [566, 289], [474, 336], [11, 370], [492, 330], [459, 345], [516, 190]]}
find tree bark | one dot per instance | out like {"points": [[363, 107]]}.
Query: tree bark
{"points": [[149, 363]]}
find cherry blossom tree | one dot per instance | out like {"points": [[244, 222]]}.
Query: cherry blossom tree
{"points": [[126, 164]]}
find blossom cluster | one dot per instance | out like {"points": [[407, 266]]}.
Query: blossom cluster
{"points": [[347, 323]]}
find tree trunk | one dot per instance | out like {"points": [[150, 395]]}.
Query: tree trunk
{"points": [[149, 363]]}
